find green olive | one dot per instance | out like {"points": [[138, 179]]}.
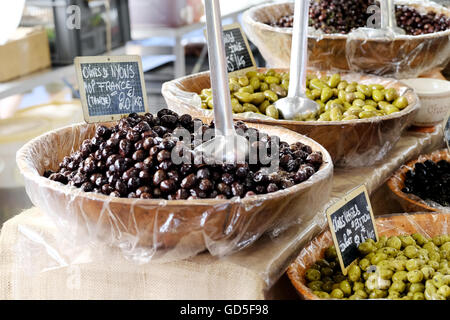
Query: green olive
{"points": [[334, 80], [398, 286], [415, 276], [326, 94], [400, 276], [417, 287], [248, 107], [364, 90], [345, 287], [313, 275], [378, 95], [279, 91], [243, 97], [335, 114], [272, 111], [270, 95], [263, 106], [411, 251], [243, 81], [401, 103], [367, 114], [258, 98], [248, 89], [263, 87], [342, 85], [315, 285], [391, 94], [316, 84], [255, 83], [330, 253], [354, 273], [272, 79], [337, 294]]}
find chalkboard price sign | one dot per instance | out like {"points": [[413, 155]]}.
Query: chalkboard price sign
{"points": [[110, 87], [351, 222], [237, 50]]}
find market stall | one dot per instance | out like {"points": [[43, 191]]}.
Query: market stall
{"points": [[320, 175]]}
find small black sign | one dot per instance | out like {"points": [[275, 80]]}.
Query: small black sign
{"points": [[111, 87], [237, 50], [351, 222]]}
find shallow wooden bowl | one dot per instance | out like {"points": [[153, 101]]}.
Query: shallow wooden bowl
{"points": [[431, 223], [409, 202], [162, 224], [352, 143], [406, 56]]}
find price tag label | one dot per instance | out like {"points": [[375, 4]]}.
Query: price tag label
{"points": [[110, 87], [239, 55], [351, 222]]}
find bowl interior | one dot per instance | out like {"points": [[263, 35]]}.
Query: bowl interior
{"points": [[40, 154], [428, 224], [397, 182], [194, 84]]}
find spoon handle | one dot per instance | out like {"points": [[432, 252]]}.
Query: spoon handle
{"points": [[223, 116], [299, 51], [385, 14], [392, 17]]}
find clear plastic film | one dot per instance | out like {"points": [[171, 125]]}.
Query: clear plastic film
{"points": [[409, 201], [397, 56], [426, 224], [351, 143], [39, 259], [164, 230]]}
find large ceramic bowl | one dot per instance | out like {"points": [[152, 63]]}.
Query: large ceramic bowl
{"points": [[186, 225], [405, 57], [410, 202], [428, 224], [352, 143]]}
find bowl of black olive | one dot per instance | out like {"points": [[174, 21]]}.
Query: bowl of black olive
{"points": [[425, 47], [423, 185], [120, 180]]}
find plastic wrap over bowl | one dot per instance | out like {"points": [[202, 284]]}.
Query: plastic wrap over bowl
{"points": [[351, 143], [403, 56], [161, 229], [427, 224], [411, 202]]}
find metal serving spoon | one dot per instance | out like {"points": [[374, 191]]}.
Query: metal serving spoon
{"points": [[227, 146], [296, 103]]}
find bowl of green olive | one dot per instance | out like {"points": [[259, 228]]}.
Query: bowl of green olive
{"points": [[410, 261], [361, 117]]}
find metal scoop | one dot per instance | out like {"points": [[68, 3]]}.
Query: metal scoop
{"points": [[227, 146], [296, 104]]}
